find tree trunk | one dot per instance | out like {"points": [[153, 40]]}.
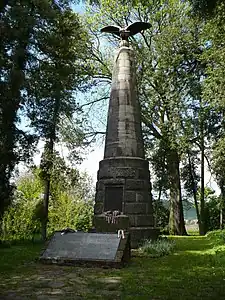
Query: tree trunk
{"points": [[222, 203], [48, 162], [202, 225], [194, 190], [49, 148], [176, 219]]}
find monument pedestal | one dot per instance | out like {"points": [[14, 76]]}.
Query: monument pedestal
{"points": [[139, 234], [124, 185]]}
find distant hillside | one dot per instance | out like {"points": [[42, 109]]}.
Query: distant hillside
{"points": [[189, 210]]}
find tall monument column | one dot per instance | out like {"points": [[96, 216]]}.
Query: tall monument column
{"points": [[123, 181]]}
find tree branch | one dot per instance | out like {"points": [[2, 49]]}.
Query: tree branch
{"points": [[94, 101]]}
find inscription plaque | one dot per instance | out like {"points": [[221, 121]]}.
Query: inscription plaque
{"points": [[81, 246], [113, 198]]}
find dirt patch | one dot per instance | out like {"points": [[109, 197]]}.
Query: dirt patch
{"points": [[51, 282]]}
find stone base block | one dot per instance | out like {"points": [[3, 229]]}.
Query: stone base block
{"points": [[139, 234], [101, 225]]}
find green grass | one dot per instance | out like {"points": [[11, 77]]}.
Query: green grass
{"points": [[160, 247], [193, 232], [16, 257], [194, 271]]}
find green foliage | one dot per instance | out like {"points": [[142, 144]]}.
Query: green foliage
{"points": [[205, 8], [212, 211], [161, 214], [68, 206], [158, 248], [218, 162], [217, 236], [18, 222], [42, 52], [70, 212]]}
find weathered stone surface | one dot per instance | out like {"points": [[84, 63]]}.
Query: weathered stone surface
{"points": [[111, 181], [133, 162], [130, 196], [143, 173], [142, 196], [87, 249], [135, 208], [124, 173], [141, 220], [98, 208], [140, 234], [136, 196], [118, 172], [135, 184], [99, 196]]}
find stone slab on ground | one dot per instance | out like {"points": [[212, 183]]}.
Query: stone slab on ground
{"points": [[87, 249]]}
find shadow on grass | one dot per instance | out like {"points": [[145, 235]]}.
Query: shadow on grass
{"points": [[192, 272], [183, 275], [192, 243]]}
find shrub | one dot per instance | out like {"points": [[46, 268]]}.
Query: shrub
{"points": [[157, 248], [67, 208], [18, 223], [217, 236], [70, 212], [212, 213]]}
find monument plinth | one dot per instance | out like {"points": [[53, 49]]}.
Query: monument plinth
{"points": [[123, 180]]}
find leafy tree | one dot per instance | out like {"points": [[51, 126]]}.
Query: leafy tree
{"points": [[42, 56], [17, 23], [205, 7], [62, 69], [213, 91], [70, 206]]}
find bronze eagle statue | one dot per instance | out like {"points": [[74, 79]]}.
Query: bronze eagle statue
{"points": [[127, 31]]}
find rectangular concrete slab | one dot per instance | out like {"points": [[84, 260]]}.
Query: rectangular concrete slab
{"points": [[81, 246]]}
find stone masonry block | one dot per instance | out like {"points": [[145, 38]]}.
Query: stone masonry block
{"points": [[132, 184], [101, 224], [124, 162], [113, 181], [141, 197], [139, 234], [116, 172], [143, 173], [130, 196], [136, 196], [149, 208], [98, 208], [135, 208], [99, 196], [99, 185], [141, 220]]}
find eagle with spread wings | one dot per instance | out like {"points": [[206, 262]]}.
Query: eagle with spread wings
{"points": [[128, 31]]}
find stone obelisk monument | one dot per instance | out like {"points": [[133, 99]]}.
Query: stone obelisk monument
{"points": [[123, 181]]}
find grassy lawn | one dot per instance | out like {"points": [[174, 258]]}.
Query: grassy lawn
{"points": [[196, 270]]}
